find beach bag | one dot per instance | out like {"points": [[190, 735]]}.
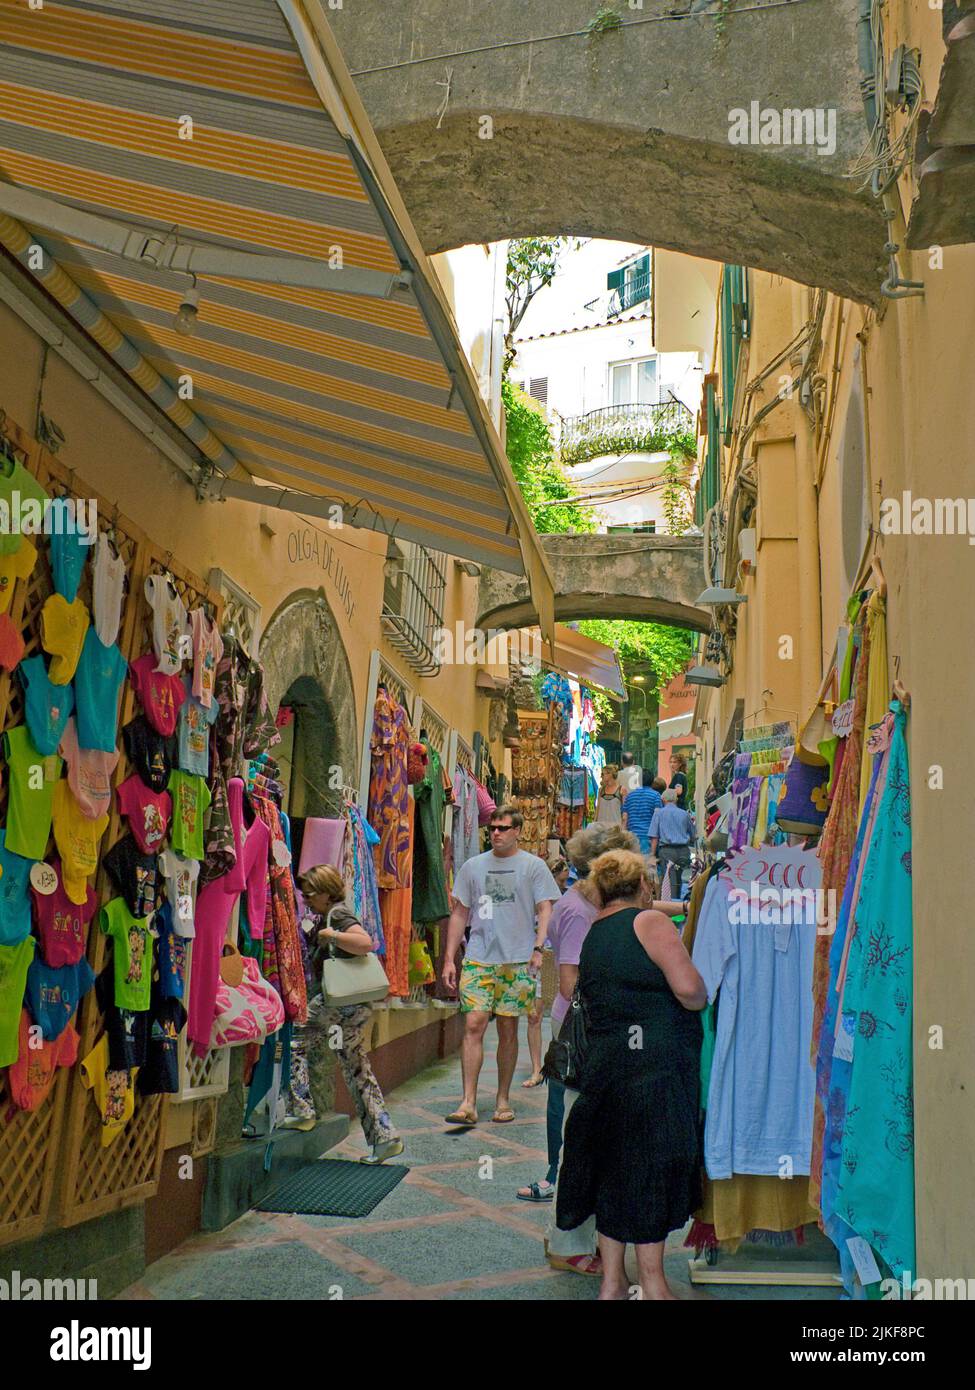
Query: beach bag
{"points": [[248, 1011], [352, 979], [565, 1059], [486, 806], [421, 971], [805, 799]]}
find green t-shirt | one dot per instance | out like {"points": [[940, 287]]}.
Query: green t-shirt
{"points": [[132, 939], [191, 797], [14, 963], [12, 510], [31, 795]]}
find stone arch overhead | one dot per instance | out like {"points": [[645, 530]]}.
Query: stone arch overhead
{"points": [[568, 154], [302, 639]]}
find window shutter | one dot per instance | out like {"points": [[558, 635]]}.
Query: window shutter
{"points": [[614, 280], [539, 389]]}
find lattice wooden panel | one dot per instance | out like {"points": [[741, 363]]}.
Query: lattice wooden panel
{"points": [[397, 687], [437, 732]]}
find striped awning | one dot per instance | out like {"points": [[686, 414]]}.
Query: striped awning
{"points": [[209, 135]]}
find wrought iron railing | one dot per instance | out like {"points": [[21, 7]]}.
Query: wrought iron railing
{"points": [[623, 425], [413, 607], [633, 291]]}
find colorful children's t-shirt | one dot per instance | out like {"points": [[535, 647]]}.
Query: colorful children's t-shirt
{"points": [[112, 1090], [135, 875], [30, 794], [162, 696], [89, 773], [31, 1077], [181, 876], [171, 954], [70, 547], [107, 585], [148, 812], [14, 898], [53, 995], [191, 797], [152, 754], [128, 1035], [207, 651], [61, 924], [97, 683], [11, 644], [14, 964], [47, 706], [132, 947], [19, 564], [17, 480], [63, 628], [194, 733], [160, 1074], [170, 630], [77, 838]]}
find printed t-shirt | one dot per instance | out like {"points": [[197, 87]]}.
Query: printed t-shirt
{"points": [[14, 964], [160, 1074], [89, 773], [170, 631], [181, 875], [31, 1077], [18, 564], [572, 916], [11, 643], [207, 651], [29, 806], [194, 733], [128, 1034], [191, 797], [63, 628], [77, 839], [171, 954], [14, 899], [162, 696], [70, 547], [47, 706], [152, 754], [97, 682], [112, 1091], [61, 924], [503, 893], [107, 584], [53, 995], [132, 954], [16, 479], [135, 875], [148, 812]]}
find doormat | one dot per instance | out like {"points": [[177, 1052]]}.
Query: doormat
{"points": [[333, 1187]]}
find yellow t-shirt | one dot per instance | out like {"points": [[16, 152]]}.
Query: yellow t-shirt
{"points": [[77, 838], [63, 628], [113, 1090], [17, 565]]}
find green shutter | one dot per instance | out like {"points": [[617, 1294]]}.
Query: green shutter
{"points": [[734, 327], [614, 280]]}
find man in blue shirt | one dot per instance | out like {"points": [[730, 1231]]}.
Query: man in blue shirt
{"points": [[672, 832], [639, 807]]}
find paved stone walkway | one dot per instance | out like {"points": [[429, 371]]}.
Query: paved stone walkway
{"points": [[452, 1229]]}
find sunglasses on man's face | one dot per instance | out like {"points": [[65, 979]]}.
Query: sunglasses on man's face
{"points": [[499, 828]]}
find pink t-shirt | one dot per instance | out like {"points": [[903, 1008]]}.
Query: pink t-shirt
{"points": [[89, 773], [207, 651], [61, 924], [162, 696], [572, 916], [148, 812]]}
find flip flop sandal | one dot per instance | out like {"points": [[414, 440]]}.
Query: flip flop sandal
{"points": [[464, 1119], [533, 1081], [578, 1264], [502, 1117], [537, 1195]]}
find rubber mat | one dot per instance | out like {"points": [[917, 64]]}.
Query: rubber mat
{"points": [[334, 1187]]}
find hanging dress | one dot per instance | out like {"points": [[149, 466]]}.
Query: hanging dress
{"points": [[389, 795]]}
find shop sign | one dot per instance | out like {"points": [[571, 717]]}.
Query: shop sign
{"points": [[307, 546]]}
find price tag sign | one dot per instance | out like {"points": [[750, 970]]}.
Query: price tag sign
{"points": [[842, 719], [184, 907], [281, 854], [44, 879], [864, 1260]]}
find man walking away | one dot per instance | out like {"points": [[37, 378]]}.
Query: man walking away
{"points": [[630, 774], [672, 832], [507, 896], [639, 807]]}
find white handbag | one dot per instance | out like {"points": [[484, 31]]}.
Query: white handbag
{"points": [[352, 979]]}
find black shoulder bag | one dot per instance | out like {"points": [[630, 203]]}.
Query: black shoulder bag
{"points": [[565, 1059]]}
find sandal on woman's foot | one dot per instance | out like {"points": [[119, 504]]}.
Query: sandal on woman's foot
{"points": [[503, 1115], [380, 1152], [536, 1192], [463, 1117], [577, 1264], [535, 1080]]}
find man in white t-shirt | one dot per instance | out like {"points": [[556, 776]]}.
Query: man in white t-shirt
{"points": [[630, 775], [507, 897]]}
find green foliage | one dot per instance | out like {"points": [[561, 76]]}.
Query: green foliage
{"points": [[605, 19], [532, 264], [667, 649], [678, 495], [613, 440], [539, 474]]}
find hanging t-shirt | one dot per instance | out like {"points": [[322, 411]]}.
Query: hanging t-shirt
{"points": [[160, 1074], [97, 682], [162, 696], [14, 899], [89, 773], [128, 1036], [112, 1091], [152, 754], [191, 797], [61, 924], [207, 651], [148, 812], [53, 995], [14, 478], [181, 875], [31, 1077], [30, 794], [19, 564], [14, 964], [194, 733], [171, 953], [47, 706], [136, 875], [132, 954], [107, 585], [11, 644], [70, 547], [170, 630], [63, 628], [77, 838]]}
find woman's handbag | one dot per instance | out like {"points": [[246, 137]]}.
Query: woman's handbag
{"points": [[352, 979], [565, 1059], [246, 1010]]}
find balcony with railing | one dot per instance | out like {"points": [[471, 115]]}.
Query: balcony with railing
{"points": [[614, 429], [413, 601], [634, 290]]}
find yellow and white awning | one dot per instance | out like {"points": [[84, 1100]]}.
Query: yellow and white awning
{"points": [[150, 147]]}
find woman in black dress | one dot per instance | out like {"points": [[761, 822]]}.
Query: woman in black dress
{"points": [[632, 1141]]}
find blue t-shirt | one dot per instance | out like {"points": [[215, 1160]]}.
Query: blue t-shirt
{"points": [[53, 995], [70, 547], [14, 897], [194, 732], [47, 707], [172, 954], [97, 682], [639, 806]]}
